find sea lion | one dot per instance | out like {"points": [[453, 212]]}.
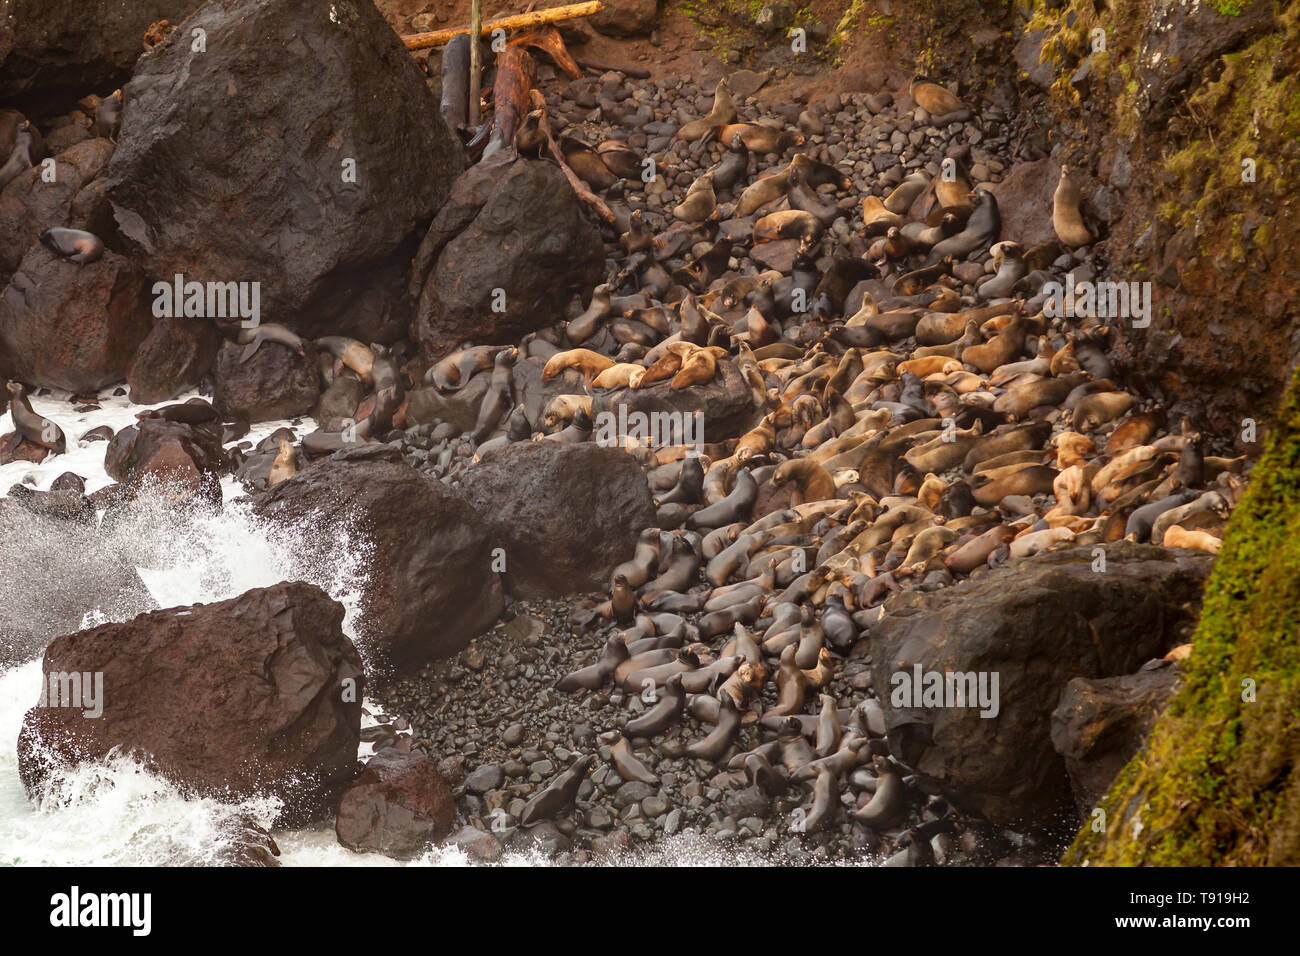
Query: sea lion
{"points": [[1066, 218], [887, 806], [29, 426], [1176, 536], [722, 113], [285, 465], [108, 116], [627, 764], [586, 361], [981, 231], [558, 794], [613, 654], [825, 804], [21, 157], [75, 245], [253, 338], [699, 202], [1098, 409], [666, 712], [876, 219], [351, 353], [789, 224], [714, 746], [900, 200], [933, 98]]}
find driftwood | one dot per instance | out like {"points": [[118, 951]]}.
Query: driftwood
{"points": [[520, 21], [548, 40], [510, 94]]}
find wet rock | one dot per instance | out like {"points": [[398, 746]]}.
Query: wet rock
{"points": [[173, 358], [170, 453], [1100, 724], [565, 514], [71, 326], [1036, 624], [266, 713], [478, 844], [327, 218], [1180, 40], [510, 237], [431, 589], [398, 806], [29, 204], [275, 382]]}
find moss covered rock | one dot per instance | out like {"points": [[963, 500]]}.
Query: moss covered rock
{"points": [[1217, 783]]}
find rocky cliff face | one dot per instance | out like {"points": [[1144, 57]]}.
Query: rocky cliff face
{"points": [[1217, 784], [1185, 120]]}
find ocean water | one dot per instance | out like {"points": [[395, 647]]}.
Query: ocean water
{"points": [[115, 812]]}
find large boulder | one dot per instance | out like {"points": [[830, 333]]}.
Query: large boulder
{"points": [[1036, 624], [512, 236], [565, 515], [398, 806], [174, 357], [30, 204], [174, 455], [430, 588], [626, 18], [65, 325], [257, 695], [314, 179], [1025, 201], [1100, 724], [53, 51], [726, 403], [275, 382]]}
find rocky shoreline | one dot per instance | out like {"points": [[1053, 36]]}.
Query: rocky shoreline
{"points": [[908, 458]]}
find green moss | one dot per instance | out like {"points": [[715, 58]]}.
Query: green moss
{"points": [[1217, 783]]}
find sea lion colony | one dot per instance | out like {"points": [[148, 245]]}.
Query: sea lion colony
{"points": [[917, 419], [920, 420]]}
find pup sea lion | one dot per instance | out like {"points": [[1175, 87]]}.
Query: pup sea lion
{"points": [[75, 245]]}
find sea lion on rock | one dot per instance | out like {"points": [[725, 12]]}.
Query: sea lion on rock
{"points": [[558, 795], [1067, 221], [75, 245], [29, 426]]}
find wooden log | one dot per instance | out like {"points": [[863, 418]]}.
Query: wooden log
{"points": [[519, 21], [510, 94], [549, 41]]}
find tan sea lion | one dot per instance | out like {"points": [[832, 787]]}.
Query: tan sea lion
{"points": [[1066, 218]]}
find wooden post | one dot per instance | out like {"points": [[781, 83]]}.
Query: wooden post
{"points": [[475, 53]]}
